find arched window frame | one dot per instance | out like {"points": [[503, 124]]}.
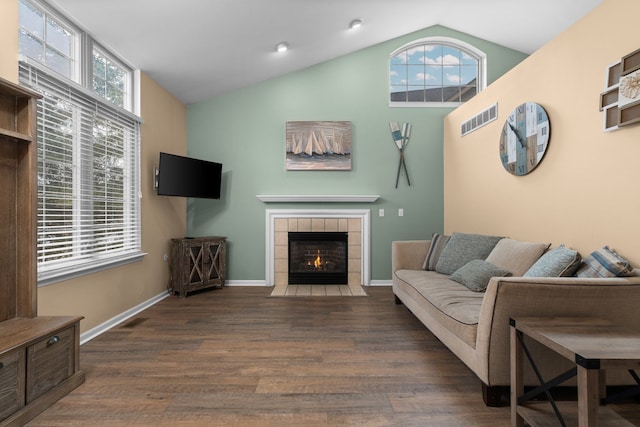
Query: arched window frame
{"points": [[464, 47]]}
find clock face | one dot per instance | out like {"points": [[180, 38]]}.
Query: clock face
{"points": [[524, 138]]}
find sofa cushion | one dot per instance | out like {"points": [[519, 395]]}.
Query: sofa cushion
{"points": [[476, 274], [515, 256], [463, 248], [438, 242], [558, 262], [604, 262], [452, 304]]}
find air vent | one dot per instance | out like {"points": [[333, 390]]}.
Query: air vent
{"points": [[486, 116], [135, 322]]}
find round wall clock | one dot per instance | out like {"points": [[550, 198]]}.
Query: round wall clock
{"points": [[524, 138]]}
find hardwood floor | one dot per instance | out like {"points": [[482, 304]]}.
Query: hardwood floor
{"points": [[235, 357]]}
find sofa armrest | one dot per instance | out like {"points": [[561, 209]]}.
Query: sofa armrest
{"points": [[408, 254], [615, 299]]}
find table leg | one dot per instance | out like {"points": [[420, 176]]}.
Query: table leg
{"points": [[602, 386], [517, 377], [588, 393]]}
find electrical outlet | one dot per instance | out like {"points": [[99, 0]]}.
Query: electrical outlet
{"points": [[380, 212], [400, 212], [165, 257]]}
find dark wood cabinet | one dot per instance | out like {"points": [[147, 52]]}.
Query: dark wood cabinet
{"points": [[197, 263], [51, 360], [39, 356], [39, 364], [18, 204], [12, 377]]}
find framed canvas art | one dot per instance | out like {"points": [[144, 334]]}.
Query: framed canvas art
{"points": [[318, 145]]}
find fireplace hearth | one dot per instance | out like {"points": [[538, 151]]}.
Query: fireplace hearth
{"points": [[318, 258]]}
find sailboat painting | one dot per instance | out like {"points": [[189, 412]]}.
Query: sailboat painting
{"points": [[314, 145]]}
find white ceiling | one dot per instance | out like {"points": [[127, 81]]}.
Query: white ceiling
{"points": [[198, 49]]}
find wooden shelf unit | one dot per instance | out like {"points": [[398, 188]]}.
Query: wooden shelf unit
{"points": [[18, 201], [39, 356], [197, 263]]}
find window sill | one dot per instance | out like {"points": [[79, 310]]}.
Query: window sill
{"points": [[54, 276]]}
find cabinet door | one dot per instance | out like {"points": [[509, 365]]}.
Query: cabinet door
{"points": [[192, 264], [213, 261], [12, 375], [50, 362]]}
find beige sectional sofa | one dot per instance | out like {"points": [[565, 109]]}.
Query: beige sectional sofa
{"points": [[475, 325]]}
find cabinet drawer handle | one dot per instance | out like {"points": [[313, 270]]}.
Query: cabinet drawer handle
{"points": [[54, 339]]}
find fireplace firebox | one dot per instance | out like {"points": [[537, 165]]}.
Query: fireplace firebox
{"points": [[318, 258]]}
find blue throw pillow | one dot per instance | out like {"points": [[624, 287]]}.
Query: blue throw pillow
{"points": [[558, 262]]}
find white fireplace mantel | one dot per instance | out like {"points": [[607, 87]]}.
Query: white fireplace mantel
{"points": [[331, 198]]}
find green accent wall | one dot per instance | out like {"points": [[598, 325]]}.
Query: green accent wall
{"points": [[245, 130]]}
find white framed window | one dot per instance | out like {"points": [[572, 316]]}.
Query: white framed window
{"points": [[435, 71], [88, 169], [111, 79], [49, 39]]}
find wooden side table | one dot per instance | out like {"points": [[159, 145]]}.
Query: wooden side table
{"points": [[594, 345]]}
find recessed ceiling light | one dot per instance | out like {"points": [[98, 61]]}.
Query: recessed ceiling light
{"points": [[282, 47], [355, 24]]}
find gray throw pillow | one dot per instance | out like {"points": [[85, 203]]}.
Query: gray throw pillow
{"points": [[558, 262], [463, 248], [477, 273], [604, 262], [438, 242]]}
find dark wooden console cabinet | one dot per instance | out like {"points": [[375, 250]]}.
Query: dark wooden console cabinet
{"points": [[197, 263], [39, 355]]}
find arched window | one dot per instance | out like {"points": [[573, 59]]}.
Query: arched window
{"points": [[435, 71]]}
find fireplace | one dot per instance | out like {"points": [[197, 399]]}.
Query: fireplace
{"points": [[280, 222], [318, 258]]}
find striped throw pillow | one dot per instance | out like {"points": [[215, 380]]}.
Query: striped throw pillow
{"points": [[438, 242], [604, 262]]}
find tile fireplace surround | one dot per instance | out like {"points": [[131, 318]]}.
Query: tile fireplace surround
{"points": [[356, 222]]}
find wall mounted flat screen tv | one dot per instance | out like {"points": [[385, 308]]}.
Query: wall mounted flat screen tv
{"points": [[188, 177]]}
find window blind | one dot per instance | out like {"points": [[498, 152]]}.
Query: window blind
{"points": [[88, 177]]}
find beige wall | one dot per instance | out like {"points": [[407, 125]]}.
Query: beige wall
{"points": [[585, 191], [101, 296], [9, 40]]}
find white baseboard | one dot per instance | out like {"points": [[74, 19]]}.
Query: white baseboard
{"points": [[245, 283], [264, 283], [104, 327], [380, 283]]}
